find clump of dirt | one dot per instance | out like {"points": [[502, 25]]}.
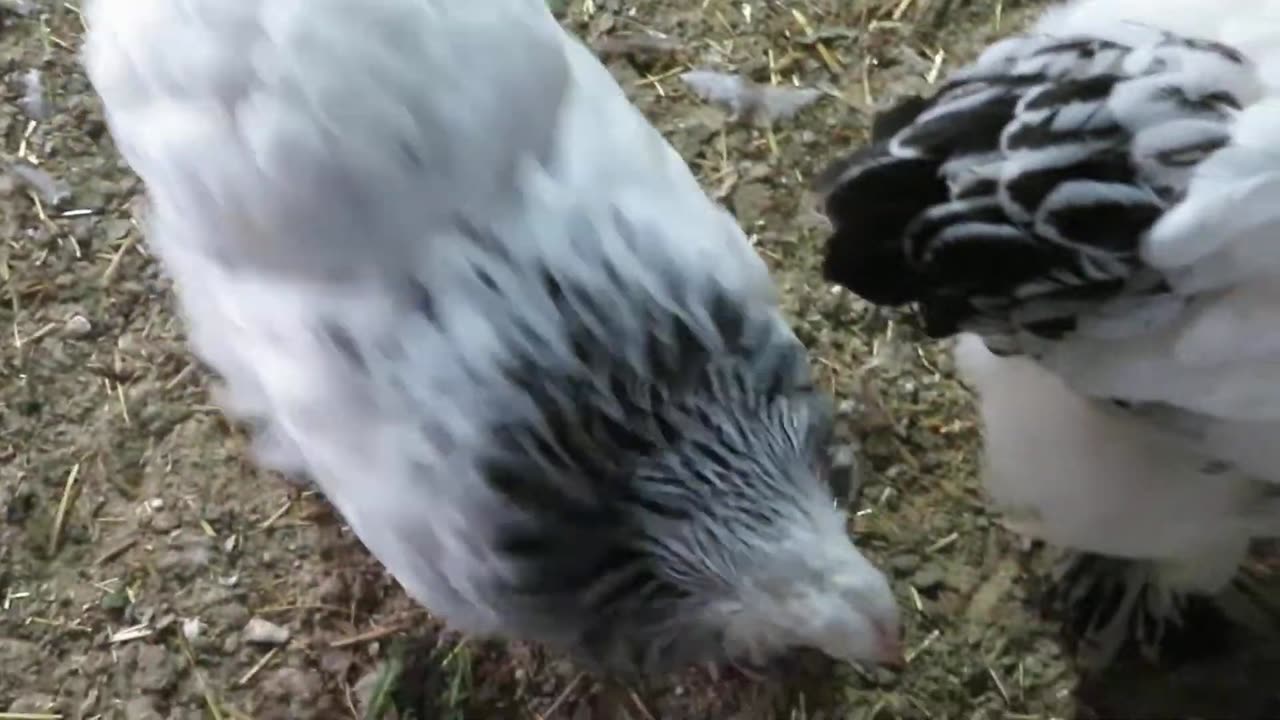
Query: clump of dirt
{"points": [[148, 570]]}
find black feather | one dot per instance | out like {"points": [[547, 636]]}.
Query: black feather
{"points": [[889, 122], [872, 210], [1011, 199], [970, 129], [1029, 190]]}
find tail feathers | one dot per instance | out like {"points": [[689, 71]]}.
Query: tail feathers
{"points": [[897, 117], [919, 215], [877, 197], [1057, 154], [871, 197], [904, 234]]}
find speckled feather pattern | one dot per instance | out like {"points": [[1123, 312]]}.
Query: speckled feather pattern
{"points": [[1096, 193], [1094, 207], [467, 289]]}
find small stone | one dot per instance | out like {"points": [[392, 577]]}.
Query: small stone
{"points": [[298, 695], [750, 201], [117, 228], [225, 611], [164, 522], [336, 663], [904, 564], [962, 578], [141, 708], [928, 578], [154, 671], [333, 590], [263, 632], [77, 326], [186, 555], [191, 629]]}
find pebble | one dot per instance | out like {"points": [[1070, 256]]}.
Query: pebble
{"points": [[264, 632], [299, 695], [141, 708], [163, 522], [154, 671], [928, 577], [904, 564], [77, 326], [186, 555]]}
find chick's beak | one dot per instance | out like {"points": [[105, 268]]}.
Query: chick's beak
{"points": [[889, 641]]}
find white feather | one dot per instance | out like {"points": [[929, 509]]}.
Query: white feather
{"points": [[1076, 474], [1100, 479], [1221, 354], [310, 162], [232, 164]]}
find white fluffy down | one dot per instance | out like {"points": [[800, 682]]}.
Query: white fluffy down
{"points": [[1079, 474], [1186, 482], [327, 175]]}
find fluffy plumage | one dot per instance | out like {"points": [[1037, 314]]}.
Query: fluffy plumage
{"points": [[1099, 201], [464, 285]]}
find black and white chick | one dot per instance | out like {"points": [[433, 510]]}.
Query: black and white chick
{"points": [[1093, 207], [471, 293]]}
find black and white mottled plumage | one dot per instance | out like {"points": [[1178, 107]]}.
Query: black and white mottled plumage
{"points": [[464, 285], [1095, 206]]}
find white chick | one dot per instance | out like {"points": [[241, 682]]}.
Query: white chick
{"points": [[1095, 204], [467, 289]]}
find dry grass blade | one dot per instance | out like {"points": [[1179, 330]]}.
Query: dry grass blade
{"points": [[64, 505], [564, 695], [210, 700], [372, 635]]}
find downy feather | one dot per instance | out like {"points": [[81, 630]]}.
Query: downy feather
{"points": [[465, 287], [1098, 199]]}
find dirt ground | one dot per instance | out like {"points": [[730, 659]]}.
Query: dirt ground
{"points": [[148, 571]]}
